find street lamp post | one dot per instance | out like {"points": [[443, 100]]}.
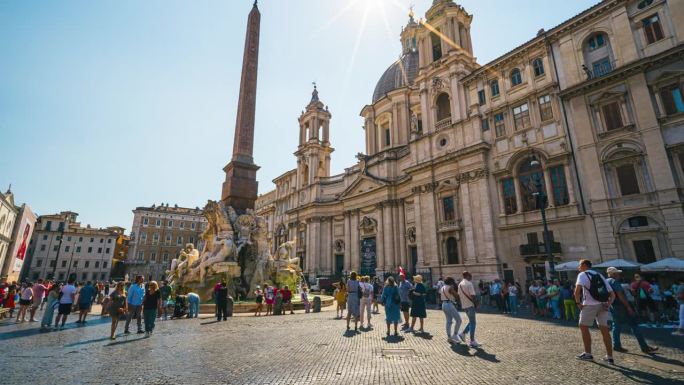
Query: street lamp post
{"points": [[542, 198]]}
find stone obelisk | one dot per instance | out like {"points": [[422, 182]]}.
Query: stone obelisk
{"points": [[240, 188]]}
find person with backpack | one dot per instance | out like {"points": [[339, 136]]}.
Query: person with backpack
{"points": [[594, 296]]}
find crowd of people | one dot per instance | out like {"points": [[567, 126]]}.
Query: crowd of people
{"points": [[144, 302]]}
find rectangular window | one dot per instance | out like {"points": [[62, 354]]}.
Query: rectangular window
{"points": [[169, 223], [485, 124], [192, 240], [45, 237], [53, 263], [143, 238], [90, 249], [155, 239], [109, 240], [559, 186], [627, 179], [153, 256], [494, 87], [612, 116], [69, 239], [145, 221], [67, 248], [545, 109], [64, 263], [532, 239], [48, 226], [104, 264], [80, 239], [179, 240], [448, 208], [39, 262], [107, 250], [75, 264], [387, 136], [672, 99], [92, 240], [101, 240], [652, 29], [86, 264], [99, 250], [499, 125], [481, 97], [61, 276], [78, 249], [602, 67], [55, 247], [182, 225], [158, 222], [521, 116], [192, 225], [644, 251], [141, 254], [168, 239], [165, 256], [97, 264], [42, 247], [508, 190], [103, 276]]}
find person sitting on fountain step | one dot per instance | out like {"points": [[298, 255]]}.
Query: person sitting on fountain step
{"points": [[287, 299]]}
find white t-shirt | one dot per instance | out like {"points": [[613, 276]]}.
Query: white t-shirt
{"points": [[67, 291], [466, 287], [584, 280]]}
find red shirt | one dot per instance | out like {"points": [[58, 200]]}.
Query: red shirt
{"points": [[287, 295]]}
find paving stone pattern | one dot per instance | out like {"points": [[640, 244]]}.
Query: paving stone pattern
{"points": [[316, 349]]}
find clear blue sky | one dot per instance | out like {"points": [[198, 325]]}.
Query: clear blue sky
{"points": [[109, 105]]}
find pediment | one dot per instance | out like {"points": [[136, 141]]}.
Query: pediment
{"points": [[361, 185]]}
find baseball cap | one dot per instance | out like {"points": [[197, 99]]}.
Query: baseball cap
{"points": [[612, 270]]}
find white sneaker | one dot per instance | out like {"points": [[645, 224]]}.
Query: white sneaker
{"points": [[474, 344]]}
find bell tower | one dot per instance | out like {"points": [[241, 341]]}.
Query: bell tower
{"points": [[313, 152]]}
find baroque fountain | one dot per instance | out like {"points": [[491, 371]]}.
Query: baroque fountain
{"points": [[235, 249]]}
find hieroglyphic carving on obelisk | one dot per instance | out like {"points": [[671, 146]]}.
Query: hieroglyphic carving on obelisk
{"points": [[240, 188]]}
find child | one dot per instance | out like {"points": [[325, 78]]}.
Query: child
{"points": [[341, 298], [305, 300], [9, 303], [270, 298], [259, 300]]}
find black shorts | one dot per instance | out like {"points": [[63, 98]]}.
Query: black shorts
{"points": [[64, 309], [25, 302], [84, 306], [405, 306]]}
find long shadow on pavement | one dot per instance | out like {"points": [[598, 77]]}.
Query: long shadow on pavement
{"points": [[38, 330], [639, 375]]}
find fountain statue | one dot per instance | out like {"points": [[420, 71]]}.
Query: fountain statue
{"points": [[235, 248]]}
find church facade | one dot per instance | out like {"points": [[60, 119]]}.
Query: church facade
{"points": [[456, 152]]}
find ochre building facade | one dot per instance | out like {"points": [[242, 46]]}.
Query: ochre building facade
{"points": [[455, 152]]}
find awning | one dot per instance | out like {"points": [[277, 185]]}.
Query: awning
{"points": [[620, 264], [567, 266], [667, 264]]}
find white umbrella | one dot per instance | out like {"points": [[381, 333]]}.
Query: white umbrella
{"points": [[620, 264], [567, 266], [667, 264]]}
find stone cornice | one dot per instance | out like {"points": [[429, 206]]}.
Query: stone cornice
{"points": [[476, 148]]}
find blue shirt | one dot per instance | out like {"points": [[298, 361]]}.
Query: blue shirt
{"points": [[87, 294], [404, 288], [496, 288], [136, 294]]}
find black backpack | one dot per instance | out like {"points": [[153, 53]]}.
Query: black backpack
{"points": [[598, 288]]}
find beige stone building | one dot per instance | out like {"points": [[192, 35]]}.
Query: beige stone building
{"points": [[61, 248], [8, 216], [158, 234], [455, 151]]}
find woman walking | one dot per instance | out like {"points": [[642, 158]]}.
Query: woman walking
{"points": [[418, 303], [341, 298], [269, 295], [52, 304], [353, 300], [259, 300], [390, 299], [513, 299], [448, 294], [117, 307], [25, 299], [151, 304]]}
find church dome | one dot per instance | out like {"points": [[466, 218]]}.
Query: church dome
{"points": [[397, 75]]}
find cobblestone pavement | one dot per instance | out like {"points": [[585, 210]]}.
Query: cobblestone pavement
{"points": [[316, 349]]}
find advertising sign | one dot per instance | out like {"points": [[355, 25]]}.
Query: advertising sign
{"points": [[368, 257]]}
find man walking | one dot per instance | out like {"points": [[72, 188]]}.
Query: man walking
{"points": [[495, 291], [66, 301], [222, 302], [135, 298], [85, 300], [466, 292], [404, 289], [38, 294], [624, 315], [593, 295]]}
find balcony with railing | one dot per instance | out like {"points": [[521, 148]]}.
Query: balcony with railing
{"points": [[450, 225], [442, 124], [539, 249], [599, 69]]}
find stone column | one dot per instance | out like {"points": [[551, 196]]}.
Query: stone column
{"points": [[347, 240], [455, 96], [549, 190], [468, 225], [355, 240], [419, 227], [389, 225], [569, 184], [425, 111], [403, 258], [326, 131], [499, 191], [380, 238], [486, 219]]}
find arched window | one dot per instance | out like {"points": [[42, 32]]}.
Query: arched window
{"points": [[516, 77], [597, 55], [538, 65], [494, 87], [452, 251], [443, 106], [529, 176]]}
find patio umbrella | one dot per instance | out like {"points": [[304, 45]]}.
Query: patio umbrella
{"points": [[567, 266], [667, 264], [620, 264]]}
